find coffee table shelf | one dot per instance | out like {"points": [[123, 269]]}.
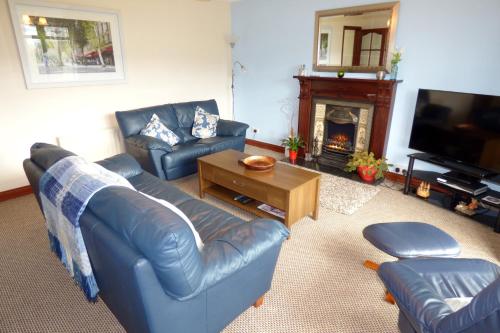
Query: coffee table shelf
{"points": [[228, 195], [292, 190]]}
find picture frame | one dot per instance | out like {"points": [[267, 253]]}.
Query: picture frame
{"points": [[64, 45], [324, 46]]}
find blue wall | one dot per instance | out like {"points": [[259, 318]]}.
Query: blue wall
{"points": [[448, 44]]}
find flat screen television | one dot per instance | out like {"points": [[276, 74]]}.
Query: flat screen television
{"points": [[458, 127]]}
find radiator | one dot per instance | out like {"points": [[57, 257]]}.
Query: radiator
{"points": [[93, 145]]}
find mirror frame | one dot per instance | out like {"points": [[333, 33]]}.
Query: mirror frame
{"points": [[393, 6]]}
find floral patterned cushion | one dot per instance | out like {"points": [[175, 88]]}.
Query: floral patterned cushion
{"points": [[156, 129], [205, 124]]}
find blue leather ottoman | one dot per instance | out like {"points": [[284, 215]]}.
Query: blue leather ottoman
{"points": [[405, 240]]}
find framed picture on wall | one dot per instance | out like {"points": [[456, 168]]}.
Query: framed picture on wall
{"points": [[62, 45], [324, 46]]}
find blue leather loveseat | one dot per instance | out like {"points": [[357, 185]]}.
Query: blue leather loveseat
{"points": [[149, 270], [171, 162]]}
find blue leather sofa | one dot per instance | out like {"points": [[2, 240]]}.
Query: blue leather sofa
{"points": [[420, 287], [171, 162], [149, 270]]}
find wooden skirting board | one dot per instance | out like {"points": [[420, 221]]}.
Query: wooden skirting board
{"points": [[15, 193], [265, 145]]}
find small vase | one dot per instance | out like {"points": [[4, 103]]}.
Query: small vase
{"points": [[366, 173], [380, 75], [292, 156], [394, 71]]}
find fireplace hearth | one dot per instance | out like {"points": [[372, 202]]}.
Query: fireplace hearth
{"points": [[340, 128]]}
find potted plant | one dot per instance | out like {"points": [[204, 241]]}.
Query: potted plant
{"points": [[368, 167], [293, 143], [396, 59]]}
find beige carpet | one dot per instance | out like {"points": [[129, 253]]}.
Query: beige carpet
{"points": [[320, 284]]}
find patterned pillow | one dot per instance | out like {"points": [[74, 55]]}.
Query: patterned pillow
{"points": [[205, 124], [156, 129]]}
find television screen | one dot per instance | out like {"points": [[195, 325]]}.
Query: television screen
{"points": [[458, 126]]}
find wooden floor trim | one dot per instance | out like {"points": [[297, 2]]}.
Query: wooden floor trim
{"points": [[394, 177], [15, 193], [265, 145]]}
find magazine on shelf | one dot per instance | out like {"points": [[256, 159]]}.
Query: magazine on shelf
{"points": [[271, 210]]}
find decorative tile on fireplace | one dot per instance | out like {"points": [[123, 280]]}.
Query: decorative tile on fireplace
{"points": [[340, 128]]}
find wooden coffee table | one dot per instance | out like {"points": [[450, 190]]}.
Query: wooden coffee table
{"points": [[291, 189]]}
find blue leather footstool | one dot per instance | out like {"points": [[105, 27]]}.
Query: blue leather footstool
{"points": [[405, 240]]}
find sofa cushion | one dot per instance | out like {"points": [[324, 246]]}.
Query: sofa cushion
{"points": [[157, 233], [184, 133], [156, 129], [205, 124], [149, 184], [184, 154], [185, 111], [132, 122], [173, 208], [211, 222]]}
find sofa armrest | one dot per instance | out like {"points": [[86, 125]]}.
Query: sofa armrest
{"points": [[416, 297], [240, 246], [148, 143], [123, 164], [231, 128], [481, 315]]}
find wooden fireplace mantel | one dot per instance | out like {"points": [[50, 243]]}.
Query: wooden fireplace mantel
{"points": [[381, 93]]}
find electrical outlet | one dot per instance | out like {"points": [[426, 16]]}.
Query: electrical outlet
{"points": [[255, 130], [398, 169]]}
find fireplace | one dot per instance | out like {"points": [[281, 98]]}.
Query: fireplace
{"points": [[339, 129], [339, 116]]}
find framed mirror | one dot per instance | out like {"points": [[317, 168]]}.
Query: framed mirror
{"points": [[355, 39]]}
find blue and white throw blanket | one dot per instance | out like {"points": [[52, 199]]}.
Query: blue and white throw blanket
{"points": [[65, 189]]}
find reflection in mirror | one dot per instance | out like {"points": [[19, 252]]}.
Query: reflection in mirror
{"points": [[356, 37]]}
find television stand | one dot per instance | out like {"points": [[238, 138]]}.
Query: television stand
{"points": [[448, 197]]}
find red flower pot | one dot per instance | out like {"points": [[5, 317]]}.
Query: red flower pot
{"points": [[292, 156], [367, 173]]}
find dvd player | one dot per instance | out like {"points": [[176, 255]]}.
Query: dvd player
{"points": [[474, 188]]}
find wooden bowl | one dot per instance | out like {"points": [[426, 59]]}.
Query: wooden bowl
{"points": [[258, 163]]}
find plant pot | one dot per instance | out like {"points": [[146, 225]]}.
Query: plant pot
{"points": [[367, 173], [292, 155]]}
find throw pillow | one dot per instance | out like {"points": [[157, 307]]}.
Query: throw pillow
{"points": [[156, 129], [205, 124], [197, 238]]}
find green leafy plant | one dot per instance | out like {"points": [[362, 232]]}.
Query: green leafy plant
{"points": [[396, 57], [363, 158], [293, 143]]}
